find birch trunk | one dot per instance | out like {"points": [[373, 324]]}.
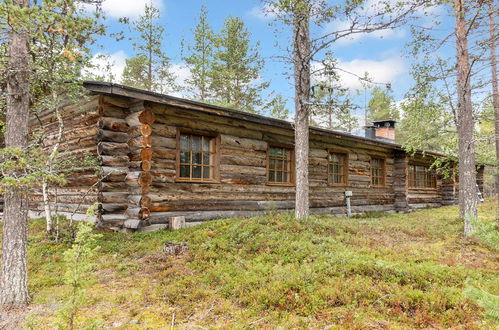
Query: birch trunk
{"points": [[50, 161], [301, 59], [13, 284], [468, 198], [495, 97]]}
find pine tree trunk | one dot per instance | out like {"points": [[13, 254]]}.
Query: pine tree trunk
{"points": [[467, 170], [14, 292], [301, 59], [495, 97]]}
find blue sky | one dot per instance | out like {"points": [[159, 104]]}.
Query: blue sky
{"points": [[381, 54]]}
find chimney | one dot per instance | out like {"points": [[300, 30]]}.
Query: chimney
{"points": [[382, 130]]}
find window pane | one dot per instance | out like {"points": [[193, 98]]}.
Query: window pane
{"points": [[206, 144], [206, 172], [184, 141], [196, 158], [196, 142], [206, 158], [185, 157], [278, 176], [285, 177], [272, 164], [196, 172], [185, 171], [271, 176]]}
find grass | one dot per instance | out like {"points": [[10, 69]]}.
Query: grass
{"points": [[385, 271]]}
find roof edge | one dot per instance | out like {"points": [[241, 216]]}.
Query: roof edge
{"points": [[132, 92]]}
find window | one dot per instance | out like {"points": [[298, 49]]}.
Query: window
{"points": [[377, 171], [421, 177], [196, 157], [279, 165], [337, 168]]}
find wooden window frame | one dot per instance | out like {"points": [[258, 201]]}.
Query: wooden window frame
{"points": [[383, 167], [291, 181], [345, 166], [216, 155], [427, 174]]}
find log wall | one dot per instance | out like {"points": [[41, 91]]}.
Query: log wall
{"points": [[135, 143], [242, 188], [79, 140]]}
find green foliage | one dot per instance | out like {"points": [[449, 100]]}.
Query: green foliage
{"points": [[381, 106], [24, 169], [489, 302], [235, 72], [394, 270], [333, 107], [486, 232], [200, 57], [78, 261], [277, 108], [149, 68]]}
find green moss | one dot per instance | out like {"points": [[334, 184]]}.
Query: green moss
{"points": [[384, 270]]}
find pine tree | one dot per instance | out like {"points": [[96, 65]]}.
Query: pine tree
{"points": [[149, 68], [200, 58], [235, 72], [381, 106], [277, 108]]}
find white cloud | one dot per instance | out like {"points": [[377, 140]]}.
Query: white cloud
{"points": [[264, 12], [181, 73], [125, 8], [378, 12], [357, 37], [105, 64], [383, 71]]}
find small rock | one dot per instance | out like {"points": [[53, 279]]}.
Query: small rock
{"points": [[175, 249]]}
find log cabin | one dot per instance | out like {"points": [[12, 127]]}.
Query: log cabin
{"points": [[161, 157]]}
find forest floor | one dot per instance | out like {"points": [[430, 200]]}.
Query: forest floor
{"points": [[379, 271]]}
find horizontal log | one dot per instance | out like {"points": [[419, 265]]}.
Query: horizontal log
{"points": [[113, 149], [140, 201], [117, 101], [141, 117], [236, 142], [121, 161], [139, 178], [242, 160], [113, 124], [164, 130], [140, 130], [113, 197], [140, 142], [112, 136], [164, 142]]}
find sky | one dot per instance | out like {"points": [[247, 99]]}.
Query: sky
{"points": [[382, 54]]}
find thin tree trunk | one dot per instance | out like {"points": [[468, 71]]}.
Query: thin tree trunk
{"points": [[495, 97], [50, 162], [301, 58], [13, 290], [468, 198]]}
